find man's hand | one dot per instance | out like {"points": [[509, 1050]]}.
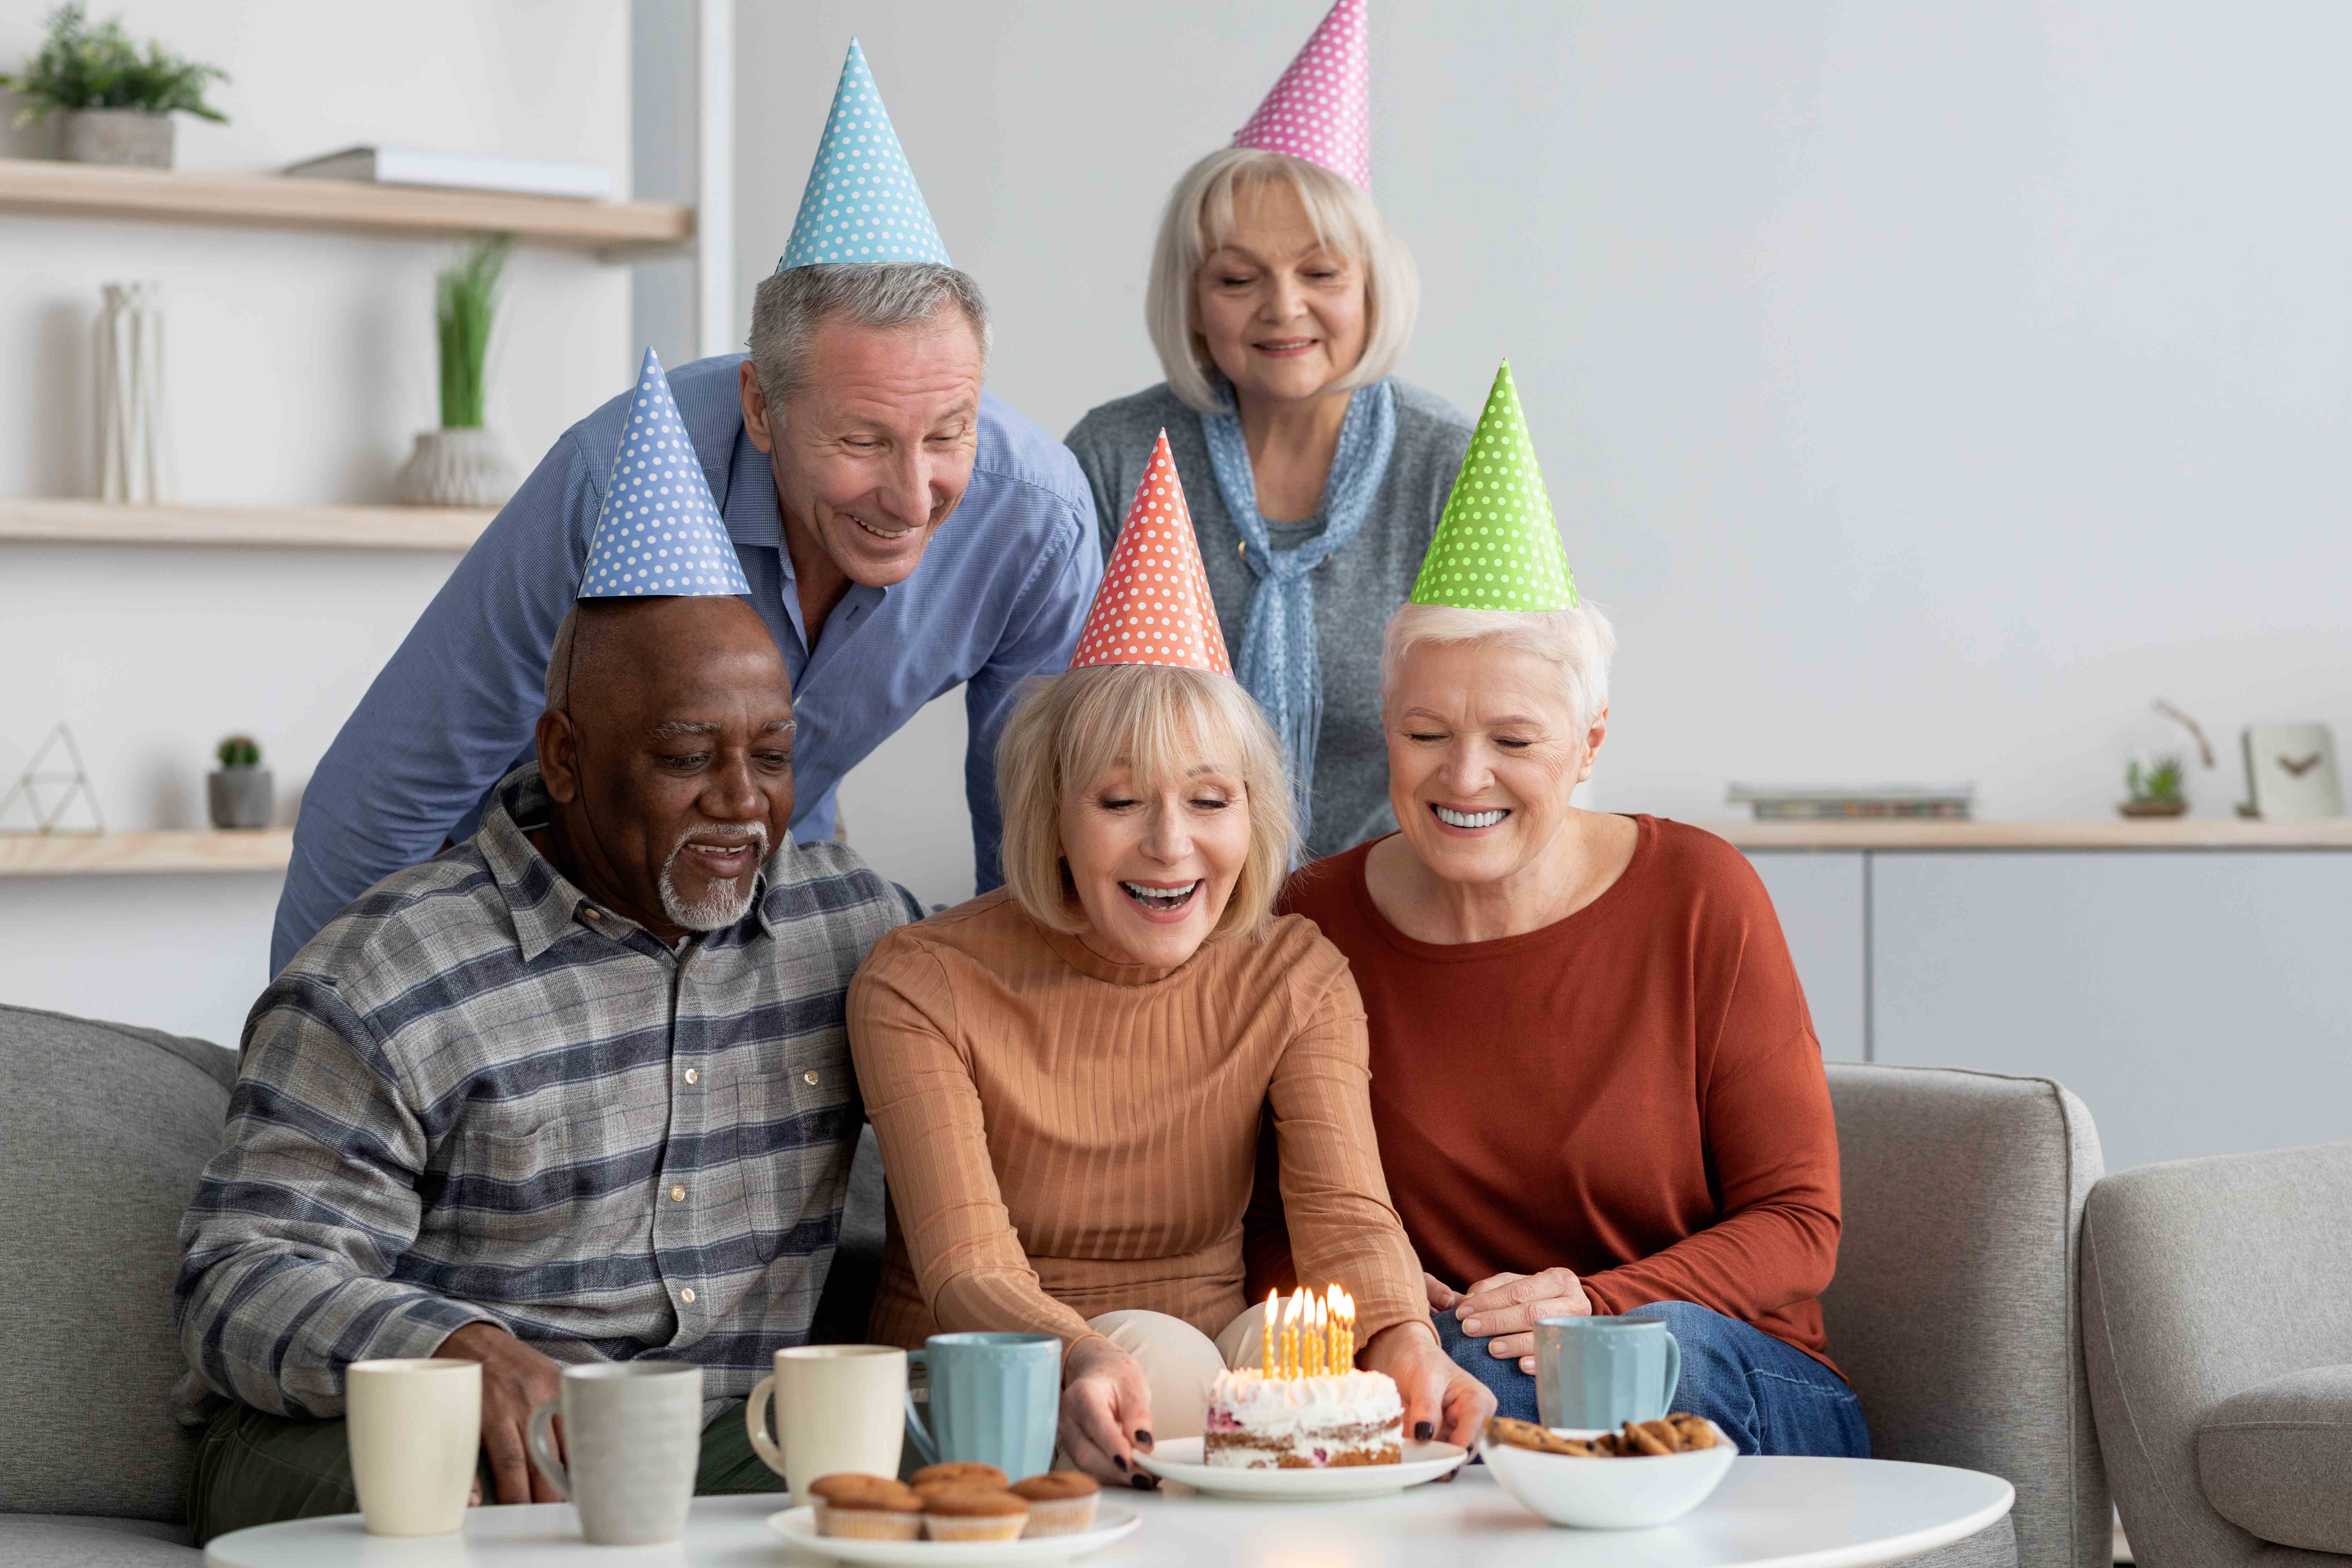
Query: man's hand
{"points": [[1503, 1310], [1105, 1412], [515, 1380], [1440, 1400]]}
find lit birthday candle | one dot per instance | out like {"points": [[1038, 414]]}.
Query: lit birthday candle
{"points": [[1267, 1359], [1290, 1339]]}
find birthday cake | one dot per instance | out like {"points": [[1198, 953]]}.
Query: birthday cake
{"points": [[1261, 1423]]}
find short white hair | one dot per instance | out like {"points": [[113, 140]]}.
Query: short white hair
{"points": [[1579, 642], [1200, 220]]}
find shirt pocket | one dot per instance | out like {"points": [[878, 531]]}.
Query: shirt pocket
{"points": [[510, 1191], [797, 1115]]}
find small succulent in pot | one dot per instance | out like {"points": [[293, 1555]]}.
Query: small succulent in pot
{"points": [[239, 793], [117, 101], [2156, 789]]}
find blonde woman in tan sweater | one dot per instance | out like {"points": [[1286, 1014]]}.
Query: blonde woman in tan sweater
{"points": [[1067, 1074]]}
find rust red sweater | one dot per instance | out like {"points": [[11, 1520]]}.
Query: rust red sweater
{"points": [[1635, 1092]]}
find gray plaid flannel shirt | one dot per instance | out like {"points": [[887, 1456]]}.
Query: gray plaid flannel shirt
{"points": [[477, 1097]]}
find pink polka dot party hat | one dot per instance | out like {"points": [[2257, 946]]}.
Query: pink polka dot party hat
{"points": [[1321, 110], [1153, 607]]}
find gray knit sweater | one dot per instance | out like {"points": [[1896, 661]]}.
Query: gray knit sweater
{"points": [[1355, 591]]}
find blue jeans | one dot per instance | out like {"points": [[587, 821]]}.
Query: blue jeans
{"points": [[1768, 1396]]}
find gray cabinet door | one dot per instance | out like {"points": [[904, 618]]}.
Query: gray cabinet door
{"points": [[1818, 896], [2200, 1002]]}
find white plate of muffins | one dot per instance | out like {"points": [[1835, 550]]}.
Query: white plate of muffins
{"points": [[959, 1514]]}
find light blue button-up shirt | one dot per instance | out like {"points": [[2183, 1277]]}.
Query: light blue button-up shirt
{"points": [[999, 596]]}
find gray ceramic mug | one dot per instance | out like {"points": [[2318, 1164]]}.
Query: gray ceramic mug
{"points": [[994, 1400], [1604, 1371], [633, 1432]]}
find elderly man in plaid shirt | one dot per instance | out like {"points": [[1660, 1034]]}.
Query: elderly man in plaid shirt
{"points": [[578, 1088]]}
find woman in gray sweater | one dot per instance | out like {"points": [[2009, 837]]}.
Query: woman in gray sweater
{"points": [[1279, 301]]}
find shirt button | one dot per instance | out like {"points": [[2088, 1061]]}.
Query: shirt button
{"points": [[677, 1195], [692, 1076], [686, 1295], [809, 1077]]}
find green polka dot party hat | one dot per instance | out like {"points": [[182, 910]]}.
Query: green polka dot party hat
{"points": [[1497, 545]]}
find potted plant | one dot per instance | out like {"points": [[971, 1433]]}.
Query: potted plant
{"points": [[118, 103], [239, 792], [462, 464], [2154, 789]]}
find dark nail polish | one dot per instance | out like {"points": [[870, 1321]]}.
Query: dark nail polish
{"points": [[1423, 1431], [1142, 1483], [1143, 1439], [1122, 1464]]}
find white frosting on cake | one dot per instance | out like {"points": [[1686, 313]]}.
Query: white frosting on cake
{"points": [[1301, 1416]]}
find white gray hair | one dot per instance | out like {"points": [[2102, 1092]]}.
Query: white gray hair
{"points": [[1580, 642], [792, 304], [1200, 219]]}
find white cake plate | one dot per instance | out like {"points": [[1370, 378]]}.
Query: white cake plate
{"points": [[1112, 1523], [1179, 1459]]}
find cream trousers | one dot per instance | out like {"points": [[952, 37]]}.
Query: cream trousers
{"points": [[1181, 1363]]}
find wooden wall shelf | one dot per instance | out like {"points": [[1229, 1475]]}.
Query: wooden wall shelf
{"points": [[124, 854], [2121, 834], [616, 229], [329, 528]]}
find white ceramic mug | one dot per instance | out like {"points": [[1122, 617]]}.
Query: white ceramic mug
{"points": [[414, 1428], [839, 1409], [633, 1432]]}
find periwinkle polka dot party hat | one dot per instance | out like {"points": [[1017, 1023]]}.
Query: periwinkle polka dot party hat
{"points": [[1321, 110], [1496, 545], [861, 204], [659, 531], [1154, 606]]}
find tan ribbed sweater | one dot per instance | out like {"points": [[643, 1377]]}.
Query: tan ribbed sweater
{"points": [[1066, 1136]]}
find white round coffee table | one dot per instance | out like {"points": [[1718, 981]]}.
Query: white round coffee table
{"points": [[1768, 1514]]}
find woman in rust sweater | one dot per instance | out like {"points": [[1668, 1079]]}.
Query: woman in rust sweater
{"points": [[1594, 1078], [1068, 1075]]}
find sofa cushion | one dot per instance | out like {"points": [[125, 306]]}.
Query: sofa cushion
{"points": [[2276, 1460], [77, 1540], [104, 1129]]}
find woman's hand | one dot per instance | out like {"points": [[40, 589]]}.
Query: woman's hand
{"points": [[1503, 1308], [1440, 1399], [1105, 1412]]}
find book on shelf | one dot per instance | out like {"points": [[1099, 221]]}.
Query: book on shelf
{"points": [[1843, 802], [463, 170]]}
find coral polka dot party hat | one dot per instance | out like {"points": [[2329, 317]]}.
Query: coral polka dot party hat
{"points": [[1321, 109], [659, 531], [861, 204], [1153, 607], [1496, 545]]}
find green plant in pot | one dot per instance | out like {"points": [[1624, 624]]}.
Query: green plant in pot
{"points": [[2156, 789], [117, 101], [463, 464], [238, 792]]}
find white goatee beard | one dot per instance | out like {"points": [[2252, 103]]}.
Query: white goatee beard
{"points": [[726, 902]]}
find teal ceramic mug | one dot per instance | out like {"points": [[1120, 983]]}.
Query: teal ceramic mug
{"points": [[994, 1399], [1604, 1372]]}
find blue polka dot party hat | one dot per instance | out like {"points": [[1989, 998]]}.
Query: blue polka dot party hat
{"points": [[862, 203], [659, 531]]}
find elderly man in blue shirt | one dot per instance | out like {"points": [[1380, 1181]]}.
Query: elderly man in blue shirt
{"points": [[903, 532]]}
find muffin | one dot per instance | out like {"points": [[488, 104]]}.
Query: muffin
{"points": [[866, 1508], [973, 1513], [1060, 1503], [960, 1472]]}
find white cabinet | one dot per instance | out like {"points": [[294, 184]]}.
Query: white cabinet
{"points": [[1819, 899]]}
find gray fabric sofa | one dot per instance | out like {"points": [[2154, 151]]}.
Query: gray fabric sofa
{"points": [[1953, 1311], [2217, 1304]]}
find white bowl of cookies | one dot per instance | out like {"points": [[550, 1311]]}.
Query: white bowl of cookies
{"points": [[1651, 1472]]}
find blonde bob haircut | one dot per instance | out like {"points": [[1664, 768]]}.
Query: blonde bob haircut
{"points": [[1156, 721], [1578, 642], [1200, 219]]}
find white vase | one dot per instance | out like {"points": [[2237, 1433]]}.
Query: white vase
{"points": [[134, 442], [457, 468]]}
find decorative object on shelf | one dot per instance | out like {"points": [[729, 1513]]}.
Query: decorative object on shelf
{"points": [[2291, 772], [462, 464], [117, 102], [461, 172], [42, 775], [1821, 802], [2155, 781], [239, 792], [135, 438]]}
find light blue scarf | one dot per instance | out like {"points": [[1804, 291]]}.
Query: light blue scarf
{"points": [[1277, 664]]}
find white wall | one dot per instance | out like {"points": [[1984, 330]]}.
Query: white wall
{"points": [[1923, 387], [300, 366]]}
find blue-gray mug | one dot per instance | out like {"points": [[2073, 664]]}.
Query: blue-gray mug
{"points": [[995, 1398], [1604, 1372]]}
